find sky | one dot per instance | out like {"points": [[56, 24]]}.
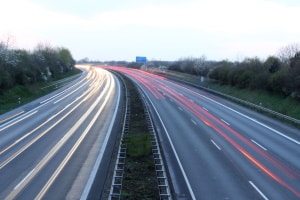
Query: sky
{"points": [[107, 30]]}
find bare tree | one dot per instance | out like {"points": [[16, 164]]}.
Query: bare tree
{"points": [[8, 40], [288, 52], [200, 65]]}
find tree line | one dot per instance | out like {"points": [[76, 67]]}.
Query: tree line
{"points": [[279, 74], [21, 67]]}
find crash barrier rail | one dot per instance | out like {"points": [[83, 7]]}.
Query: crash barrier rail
{"points": [[161, 174], [249, 104], [116, 186]]}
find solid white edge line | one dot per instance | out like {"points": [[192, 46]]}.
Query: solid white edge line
{"points": [[247, 117], [259, 145], [49, 119], [49, 155], [62, 92], [173, 148], [215, 144], [70, 153], [22, 113], [91, 179], [20, 119], [8, 118], [70, 93], [258, 190]]}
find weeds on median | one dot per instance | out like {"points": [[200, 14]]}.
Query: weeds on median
{"points": [[139, 181], [138, 145]]}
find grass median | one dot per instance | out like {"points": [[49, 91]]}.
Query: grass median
{"points": [[139, 181]]}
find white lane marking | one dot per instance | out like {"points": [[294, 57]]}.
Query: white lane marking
{"points": [[259, 145], [26, 116], [247, 117], [19, 140], [173, 148], [179, 108], [93, 83], [58, 94], [76, 145], [258, 190], [15, 120], [195, 123], [3, 164], [22, 181], [41, 125], [7, 119], [225, 122], [24, 136], [52, 97], [55, 148], [215, 144], [205, 109], [101, 153], [39, 136]]}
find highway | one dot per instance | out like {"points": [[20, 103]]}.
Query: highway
{"points": [[216, 149], [52, 148]]}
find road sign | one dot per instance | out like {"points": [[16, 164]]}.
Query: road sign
{"points": [[140, 59]]}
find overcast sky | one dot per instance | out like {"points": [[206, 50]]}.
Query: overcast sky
{"points": [[158, 29]]}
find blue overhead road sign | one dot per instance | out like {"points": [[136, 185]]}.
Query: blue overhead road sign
{"points": [[140, 59]]}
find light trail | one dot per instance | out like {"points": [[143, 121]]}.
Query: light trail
{"points": [[44, 123], [202, 114], [41, 164]]}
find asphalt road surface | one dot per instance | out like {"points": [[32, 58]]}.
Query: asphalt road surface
{"points": [[52, 148], [216, 149]]}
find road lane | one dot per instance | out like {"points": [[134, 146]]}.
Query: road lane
{"points": [[207, 170], [239, 168], [35, 151], [42, 120]]}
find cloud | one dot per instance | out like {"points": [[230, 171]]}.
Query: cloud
{"points": [[209, 25], [213, 15], [28, 21]]}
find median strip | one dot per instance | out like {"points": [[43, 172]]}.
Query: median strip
{"points": [[140, 173]]}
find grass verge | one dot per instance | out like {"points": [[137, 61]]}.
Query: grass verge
{"points": [[278, 103], [22, 94], [275, 102]]}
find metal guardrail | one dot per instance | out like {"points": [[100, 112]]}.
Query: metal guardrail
{"points": [[252, 105], [161, 174], [258, 107], [116, 186], [63, 82], [162, 181]]}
